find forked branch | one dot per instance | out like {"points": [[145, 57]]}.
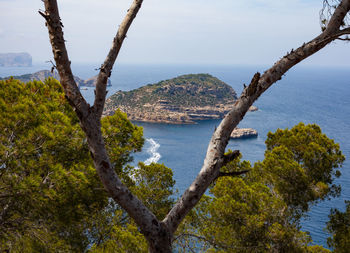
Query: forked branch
{"points": [[106, 68], [233, 173], [54, 25], [155, 232]]}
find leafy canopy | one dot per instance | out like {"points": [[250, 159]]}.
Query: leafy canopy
{"points": [[261, 211], [52, 200], [339, 227], [50, 193]]}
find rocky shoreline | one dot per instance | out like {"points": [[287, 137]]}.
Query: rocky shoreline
{"points": [[179, 115]]}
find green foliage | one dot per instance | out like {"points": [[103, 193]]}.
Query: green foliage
{"points": [[119, 235], [50, 193], [186, 90], [317, 249], [261, 211], [121, 138], [250, 219], [339, 227], [51, 199], [153, 184], [301, 164]]}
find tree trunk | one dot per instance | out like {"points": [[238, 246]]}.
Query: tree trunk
{"points": [[161, 243]]}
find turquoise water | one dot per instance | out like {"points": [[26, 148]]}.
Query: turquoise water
{"points": [[311, 95]]}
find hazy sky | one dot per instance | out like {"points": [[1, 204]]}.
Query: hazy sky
{"points": [[173, 31]]}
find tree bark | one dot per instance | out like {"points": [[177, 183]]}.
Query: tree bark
{"points": [[156, 233]]}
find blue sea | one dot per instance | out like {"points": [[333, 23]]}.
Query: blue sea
{"points": [[318, 95]]}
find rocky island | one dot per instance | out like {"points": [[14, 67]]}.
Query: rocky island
{"points": [[243, 133], [181, 100], [44, 74], [91, 82], [15, 60]]}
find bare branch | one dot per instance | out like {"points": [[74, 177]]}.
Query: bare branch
{"points": [[44, 15], [54, 25], [342, 32], [106, 68], [344, 39], [232, 174], [53, 65], [155, 231], [215, 153]]}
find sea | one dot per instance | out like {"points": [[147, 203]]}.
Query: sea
{"points": [[309, 94]]}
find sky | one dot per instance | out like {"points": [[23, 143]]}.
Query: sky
{"points": [[220, 32]]}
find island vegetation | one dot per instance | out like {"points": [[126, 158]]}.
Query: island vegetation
{"points": [[183, 99]]}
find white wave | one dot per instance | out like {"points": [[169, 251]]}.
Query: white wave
{"points": [[153, 152], [154, 155]]}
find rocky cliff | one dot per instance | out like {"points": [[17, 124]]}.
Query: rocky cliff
{"points": [[44, 74], [181, 100], [15, 60]]}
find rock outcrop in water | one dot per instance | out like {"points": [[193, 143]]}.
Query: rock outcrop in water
{"points": [[243, 133], [15, 60], [181, 100], [44, 74], [91, 82]]}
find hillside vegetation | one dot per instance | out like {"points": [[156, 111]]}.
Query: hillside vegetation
{"points": [[186, 90], [179, 100]]}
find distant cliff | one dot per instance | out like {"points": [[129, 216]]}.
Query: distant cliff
{"points": [[180, 100], [15, 60], [44, 74]]}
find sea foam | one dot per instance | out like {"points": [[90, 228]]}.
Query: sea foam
{"points": [[153, 152]]}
